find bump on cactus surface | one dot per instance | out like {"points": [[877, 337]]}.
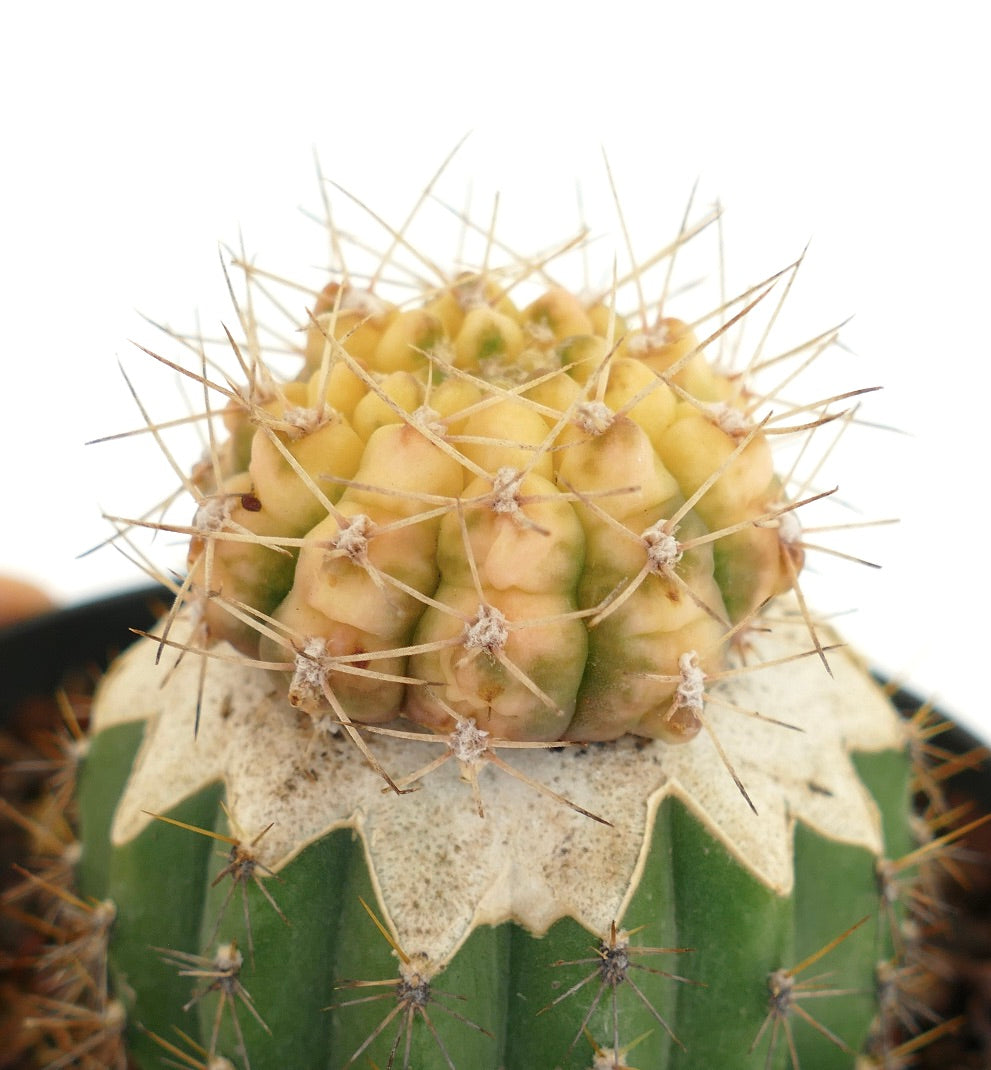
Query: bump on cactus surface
{"points": [[491, 678]]}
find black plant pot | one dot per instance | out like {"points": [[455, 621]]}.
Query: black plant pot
{"points": [[38, 654], [64, 650]]}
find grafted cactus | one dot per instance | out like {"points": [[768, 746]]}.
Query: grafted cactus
{"points": [[492, 679]]}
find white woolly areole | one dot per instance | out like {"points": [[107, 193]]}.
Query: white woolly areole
{"points": [[488, 631], [593, 417], [428, 419], [213, 514], [468, 742], [690, 692], [352, 539], [663, 549], [488, 870], [358, 300], [654, 338], [506, 490], [470, 293], [228, 958], [114, 1016], [305, 421], [728, 419], [790, 528], [309, 675], [541, 332]]}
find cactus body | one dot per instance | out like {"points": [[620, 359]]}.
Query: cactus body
{"points": [[495, 904], [518, 769]]}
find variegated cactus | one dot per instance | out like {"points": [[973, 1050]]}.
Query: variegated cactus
{"points": [[492, 681]]}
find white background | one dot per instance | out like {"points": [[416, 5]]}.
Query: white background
{"points": [[137, 137]]}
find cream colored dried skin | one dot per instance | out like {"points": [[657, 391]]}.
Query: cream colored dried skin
{"points": [[258, 749]]}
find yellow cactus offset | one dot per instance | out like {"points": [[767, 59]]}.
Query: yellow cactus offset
{"points": [[465, 550]]}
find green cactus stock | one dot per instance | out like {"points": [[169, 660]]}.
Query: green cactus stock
{"points": [[490, 728]]}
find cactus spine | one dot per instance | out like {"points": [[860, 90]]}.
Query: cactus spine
{"points": [[486, 678]]}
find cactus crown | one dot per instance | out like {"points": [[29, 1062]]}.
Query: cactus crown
{"points": [[534, 516]]}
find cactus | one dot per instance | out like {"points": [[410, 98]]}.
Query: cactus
{"points": [[490, 728]]}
